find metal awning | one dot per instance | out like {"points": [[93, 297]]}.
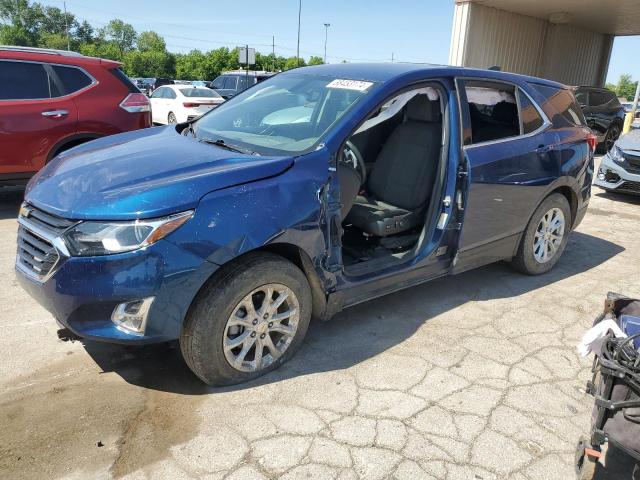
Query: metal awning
{"points": [[615, 17]]}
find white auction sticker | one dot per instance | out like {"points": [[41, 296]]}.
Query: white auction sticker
{"points": [[357, 85]]}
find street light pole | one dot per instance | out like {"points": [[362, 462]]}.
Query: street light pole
{"points": [[298, 49], [326, 33]]}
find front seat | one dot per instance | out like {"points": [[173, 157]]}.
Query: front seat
{"points": [[403, 176]]}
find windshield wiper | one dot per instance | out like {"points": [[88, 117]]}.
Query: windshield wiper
{"points": [[227, 146]]}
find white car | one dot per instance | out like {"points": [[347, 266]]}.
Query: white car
{"points": [[181, 103]]}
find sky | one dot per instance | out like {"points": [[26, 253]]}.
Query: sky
{"points": [[361, 30]]}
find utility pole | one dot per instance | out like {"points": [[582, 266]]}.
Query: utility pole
{"points": [[299, 16], [326, 33], [66, 25], [273, 51], [246, 75], [391, 57]]}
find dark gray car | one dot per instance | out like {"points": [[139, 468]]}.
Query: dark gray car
{"points": [[231, 83]]}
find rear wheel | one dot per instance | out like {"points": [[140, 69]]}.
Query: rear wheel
{"points": [[172, 118], [248, 321], [545, 237]]}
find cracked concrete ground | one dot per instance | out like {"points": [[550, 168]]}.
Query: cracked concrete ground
{"points": [[468, 377]]}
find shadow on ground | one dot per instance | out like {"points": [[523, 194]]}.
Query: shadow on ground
{"points": [[619, 197], [10, 200], [360, 332], [619, 466], [363, 331]]}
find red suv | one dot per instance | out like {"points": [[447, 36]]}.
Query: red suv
{"points": [[53, 100]]}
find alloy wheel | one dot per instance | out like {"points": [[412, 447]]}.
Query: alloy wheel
{"points": [[261, 327], [172, 118], [549, 235]]}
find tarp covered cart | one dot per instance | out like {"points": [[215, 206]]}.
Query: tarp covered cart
{"points": [[615, 341]]}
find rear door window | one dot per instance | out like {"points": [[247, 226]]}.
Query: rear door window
{"points": [[73, 79], [25, 81], [493, 110]]}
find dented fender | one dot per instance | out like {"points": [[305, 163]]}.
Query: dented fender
{"points": [[284, 209]]}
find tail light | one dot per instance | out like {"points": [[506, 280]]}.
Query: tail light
{"points": [[190, 105], [136, 102], [592, 141]]}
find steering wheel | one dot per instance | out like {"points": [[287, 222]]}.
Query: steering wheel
{"points": [[352, 157]]}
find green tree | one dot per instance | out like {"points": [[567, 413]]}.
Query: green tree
{"points": [[102, 50], [53, 40], [293, 62], [149, 64], [626, 87], [121, 34], [191, 66], [316, 61], [151, 42], [84, 33], [21, 23]]}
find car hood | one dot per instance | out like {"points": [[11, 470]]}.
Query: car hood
{"points": [[630, 141], [142, 174]]}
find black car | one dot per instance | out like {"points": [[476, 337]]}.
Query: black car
{"points": [[157, 83], [231, 83], [604, 114]]}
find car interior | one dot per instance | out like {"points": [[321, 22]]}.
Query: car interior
{"points": [[388, 172]]}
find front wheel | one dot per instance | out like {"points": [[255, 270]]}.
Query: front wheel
{"points": [[247, 321], [545, 237], [613, 133]]}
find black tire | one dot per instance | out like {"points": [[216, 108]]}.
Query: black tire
{"points": [[171, 118], [525, 261], [610, 137], [201, 341]]}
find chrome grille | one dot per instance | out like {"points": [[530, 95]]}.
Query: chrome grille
{"points": [[37, 256]]}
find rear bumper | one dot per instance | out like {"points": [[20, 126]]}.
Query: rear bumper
{"points": [[84, 291]]}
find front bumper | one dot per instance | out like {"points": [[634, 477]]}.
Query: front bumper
{"points": [[83, 292], [613, 177]]}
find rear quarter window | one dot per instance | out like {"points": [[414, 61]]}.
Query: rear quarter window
{"points": [[73, 79], [560, 106]]}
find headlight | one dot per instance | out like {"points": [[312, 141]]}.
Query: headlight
{"points": [[104, 238], [616, 154]]}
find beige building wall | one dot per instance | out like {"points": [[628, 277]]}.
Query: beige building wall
{"points": [[483, 37]]}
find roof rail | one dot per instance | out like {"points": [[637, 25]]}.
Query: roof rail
{"points": [[47, 51]]}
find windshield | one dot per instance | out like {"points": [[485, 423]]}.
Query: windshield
{"points": [[199, 92], [287, 114]]}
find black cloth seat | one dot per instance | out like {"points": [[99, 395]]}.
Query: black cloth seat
{"points": [[403, 176]]}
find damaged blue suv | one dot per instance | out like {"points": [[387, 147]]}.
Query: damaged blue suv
{"points": [[317, 189]]}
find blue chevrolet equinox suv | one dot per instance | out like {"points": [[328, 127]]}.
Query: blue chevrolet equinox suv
{"points": [[314, 190]]}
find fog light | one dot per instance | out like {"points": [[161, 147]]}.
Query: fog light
{"points": [[600, 175], [611, 177], [131, 317]]}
